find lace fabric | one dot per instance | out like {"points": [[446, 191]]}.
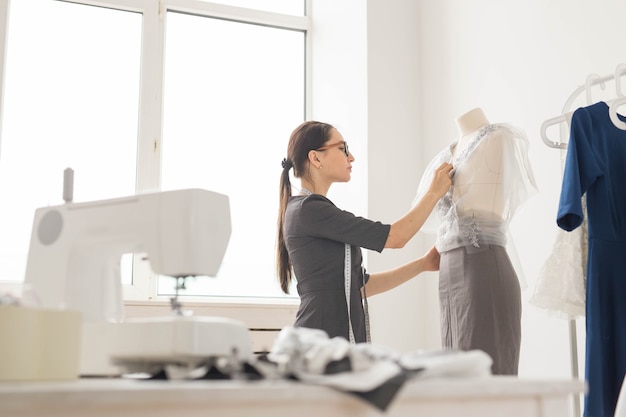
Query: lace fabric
{"points": [[562, 283], [560, 287]]}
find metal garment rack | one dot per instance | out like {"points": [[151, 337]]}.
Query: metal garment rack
{"points": [[561, 143], [566, 115]]}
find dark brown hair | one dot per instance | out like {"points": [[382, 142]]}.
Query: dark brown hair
{"points": [[308, 136]]}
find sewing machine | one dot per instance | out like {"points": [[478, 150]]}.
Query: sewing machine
{"points": [[74, 263]]}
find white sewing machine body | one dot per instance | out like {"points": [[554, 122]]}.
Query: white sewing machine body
{"points": [[74, 263]]}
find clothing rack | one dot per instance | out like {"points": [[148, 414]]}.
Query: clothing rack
{"points": [[561, 143], [564, 119]]}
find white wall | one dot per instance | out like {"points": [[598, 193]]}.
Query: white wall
{"points": [[430, 61], [339, 75], [405, 318]]}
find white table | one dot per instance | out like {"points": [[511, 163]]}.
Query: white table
{"points": [[454, 397]]}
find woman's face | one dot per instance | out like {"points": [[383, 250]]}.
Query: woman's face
{"points": [[335, 158]]}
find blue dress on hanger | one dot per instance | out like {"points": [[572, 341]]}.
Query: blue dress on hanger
{"points": [[596, 165]]}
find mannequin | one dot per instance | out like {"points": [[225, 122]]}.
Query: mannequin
{"points": [[479, 291]]}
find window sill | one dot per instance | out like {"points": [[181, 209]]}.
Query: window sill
{"points": [[264, 317], [267, 313]]}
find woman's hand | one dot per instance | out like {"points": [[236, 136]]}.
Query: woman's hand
{"points": [[442, 180], [384, 281], [405, 228], [430, 261]]}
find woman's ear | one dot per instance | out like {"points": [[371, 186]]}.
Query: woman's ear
{"points": [[314, 160]]}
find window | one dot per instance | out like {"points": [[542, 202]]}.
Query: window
{"points": [[229, 108], [71, 97], [229, 84]]}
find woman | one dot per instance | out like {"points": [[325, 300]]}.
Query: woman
{"points": [[320, 244]]}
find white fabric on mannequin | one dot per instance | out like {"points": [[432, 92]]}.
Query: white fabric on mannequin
{"points": [[492, 178], [481, 187]]}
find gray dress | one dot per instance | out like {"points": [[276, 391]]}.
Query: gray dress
{"points": [[315, 235], [479, 290]]}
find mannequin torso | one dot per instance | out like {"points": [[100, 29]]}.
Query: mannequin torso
{"points": [[478, 179]]}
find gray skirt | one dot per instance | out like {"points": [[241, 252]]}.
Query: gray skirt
{"points": [[480, 302]]}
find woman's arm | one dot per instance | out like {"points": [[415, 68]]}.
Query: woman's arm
{"points": [[388, 280], [404, 229]]}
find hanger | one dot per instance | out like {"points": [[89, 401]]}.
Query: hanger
{"points": [[621, 99], [613, 113], [559, 144], [566, 115]]}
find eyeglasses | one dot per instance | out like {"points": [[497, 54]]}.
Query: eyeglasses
{"points": [[337, 145]]}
